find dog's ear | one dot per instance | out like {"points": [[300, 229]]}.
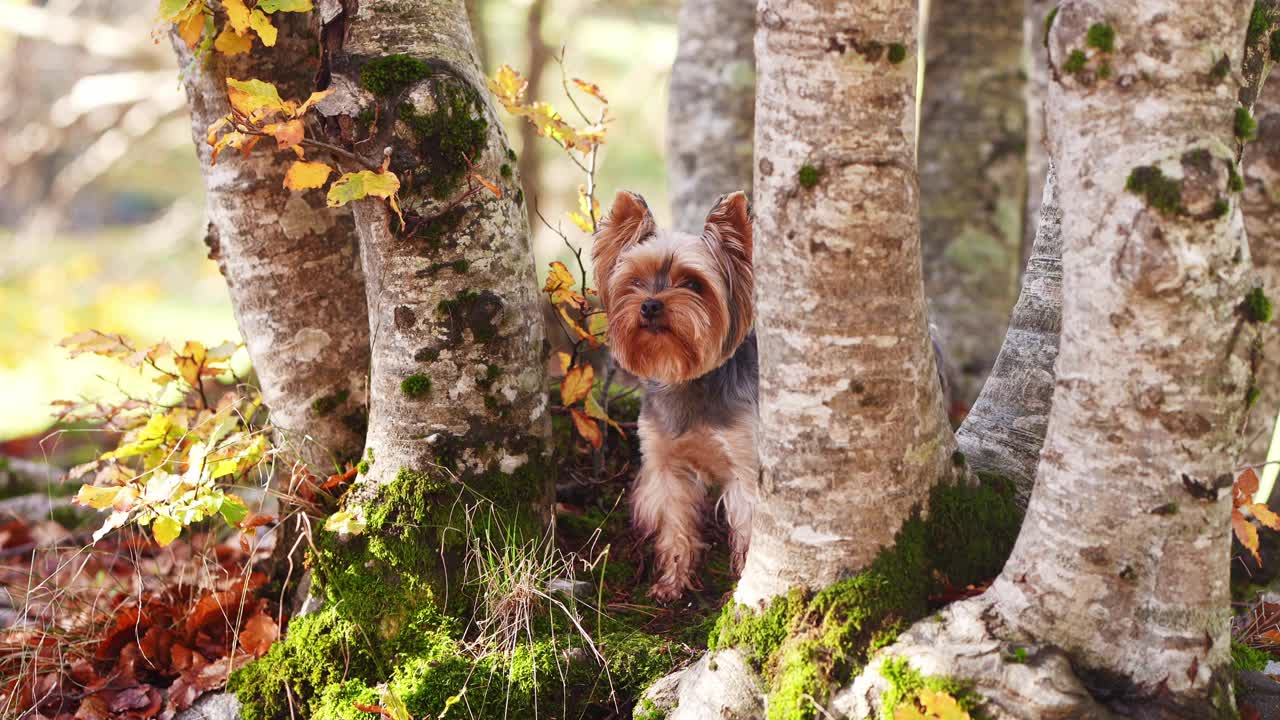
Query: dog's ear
{"points": [[728, 227], [728, 233], [628, 223]]}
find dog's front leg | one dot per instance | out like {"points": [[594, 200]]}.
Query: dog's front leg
{"points": [[666, 505]]}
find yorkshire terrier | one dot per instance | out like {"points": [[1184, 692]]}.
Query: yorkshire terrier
{"points": [[680, 312]]}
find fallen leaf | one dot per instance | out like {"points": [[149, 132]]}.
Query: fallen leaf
{"points": [[259, 632]]}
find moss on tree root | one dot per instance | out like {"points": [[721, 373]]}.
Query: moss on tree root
{"points": [[805, 643], [392, 617]]}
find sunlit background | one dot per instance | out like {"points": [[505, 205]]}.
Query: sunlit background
{"points": [[101, 203]]}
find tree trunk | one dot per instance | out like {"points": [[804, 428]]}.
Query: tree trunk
{"points": [[290, 264], [530, 146], [851, 416], [1035, 60], [710, 109], [1003, 433], [973, 181], [1261, 203], [457, 383]]}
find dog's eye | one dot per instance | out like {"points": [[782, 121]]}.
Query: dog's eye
{"points": [[637, 282], [692, 285]]}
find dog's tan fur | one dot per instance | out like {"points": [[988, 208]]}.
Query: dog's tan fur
{"points": [[704, 284]]}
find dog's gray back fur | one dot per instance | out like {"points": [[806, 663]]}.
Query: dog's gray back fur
{"points": [[716, 399]]}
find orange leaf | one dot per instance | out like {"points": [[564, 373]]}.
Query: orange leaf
{"points": [[587, 427], [258, 634], [1246, 533], [559, 278], [591, 89], [1245, 487], [1271, 636], [497, 191], [191, 29], [592, 340], [287, 134], [1265, 516], [372, 709], [576, 384]]}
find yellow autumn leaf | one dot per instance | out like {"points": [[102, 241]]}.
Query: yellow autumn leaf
{"points": [[261, 24], [191, 28], [287, 134], [564, 359], [315, 97], [346, 522], [274, 6], [190, 362], [1246, 533], [165, 529], [587, 427], [509, 87], [251, 96], [1265, 515], [576, 384], [231, 43], [577, 330], [596, 410], [366, 183], [598, 324], [591, 89], [237, 15], [304, 175], [98, 498], [559, 278]]}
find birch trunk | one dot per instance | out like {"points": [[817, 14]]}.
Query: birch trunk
{"points": [[973, 181], [290, 263], [1004, 431], [1152, 382], [711, 106], [457, 382], [853, 432]]}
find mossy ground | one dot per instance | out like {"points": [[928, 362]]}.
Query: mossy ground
{"points": [[394, 622], [804, 644]]}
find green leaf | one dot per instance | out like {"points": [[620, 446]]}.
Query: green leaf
{"points": [[271, 6], [249, 96], [171, 9], [357, 185], [233, 510]]}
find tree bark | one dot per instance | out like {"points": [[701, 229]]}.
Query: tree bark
{"points": [[710, 109], [1122, 560], [1036, 62], [1260, 200], [457, 380], [852, 423], [973, 181], [1004, 431], [530, 147], [290, 263]]}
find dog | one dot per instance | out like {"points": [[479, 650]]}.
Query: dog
{"points": [[681, 312]]}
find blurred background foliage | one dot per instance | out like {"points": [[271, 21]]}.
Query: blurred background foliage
{"points": [[101, 199]]}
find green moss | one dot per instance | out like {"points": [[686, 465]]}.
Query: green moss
{"points": [[1019, 655], [809, 176], [1252, 395], [427, 355], [415, 386], [905, 683], [1161, 192], [1274, 49], [897, 53], [804, 644], [491, 374], [1220, 208], [958, 458], [1257, 306], [1235, 183], [469, 309], [1049, 17], [325, 405], [1075, 62], [1104, 70], [319, 650], [1246, 128], [505, 171], [1248, 659], [1101, 37], [646, 710], [389, 75], [1259, 23], [449, 138], [363, 467]]}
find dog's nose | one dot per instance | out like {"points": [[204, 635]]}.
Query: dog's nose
{"points": [[650, 308]]}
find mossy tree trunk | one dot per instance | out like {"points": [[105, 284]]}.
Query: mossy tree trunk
{"points": [[291, 263], [710, 108], [458, 392], [973, 181], [1117, 588], [862, 426]]}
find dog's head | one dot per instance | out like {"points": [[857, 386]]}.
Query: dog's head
{"points": [[679, 305]]}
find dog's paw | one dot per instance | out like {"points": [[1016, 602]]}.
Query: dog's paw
{"points": [[666, 591]]}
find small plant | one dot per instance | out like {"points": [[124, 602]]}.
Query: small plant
{"points": [[1075, 62], [1101, 37], [1246, 127]]}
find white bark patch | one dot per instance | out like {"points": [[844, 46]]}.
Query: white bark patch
{"points": [[509, 463], [300, 219], [809, 536], [308, 344]]}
